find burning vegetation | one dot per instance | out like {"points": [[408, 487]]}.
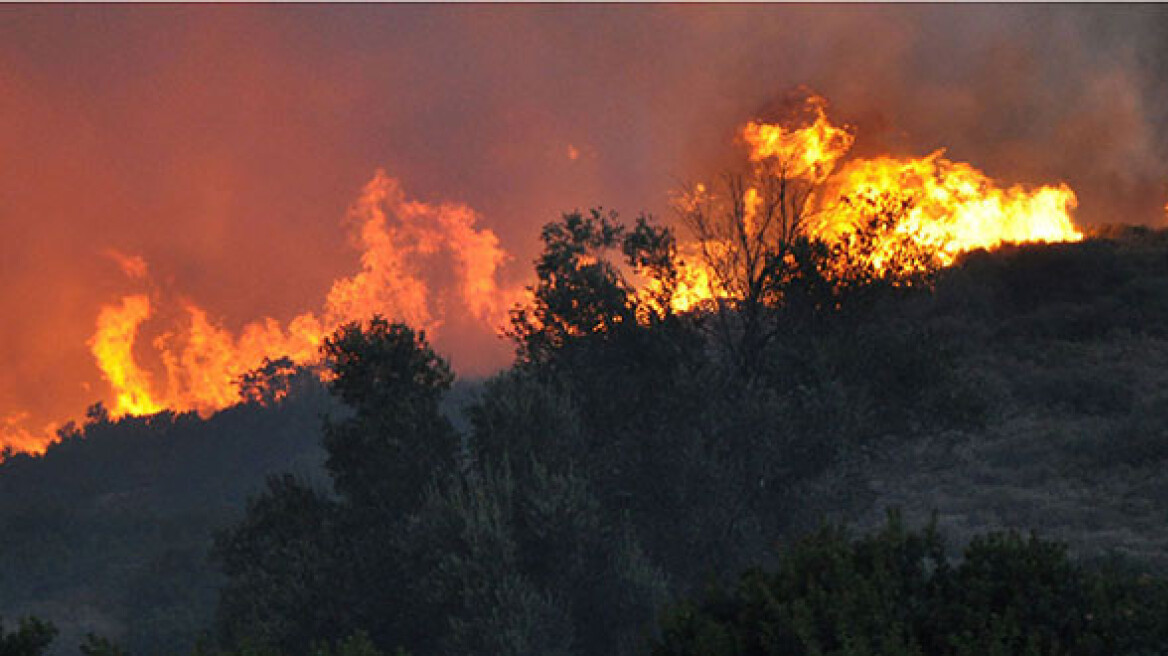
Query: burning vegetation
{"points": [[901, 217], [450, 408], [650, 432], [897, 219], [400, 241]]}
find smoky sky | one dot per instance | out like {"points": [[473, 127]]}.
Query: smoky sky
{"points": [[225, 143]]}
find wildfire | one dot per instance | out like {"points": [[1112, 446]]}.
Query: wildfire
{"points": [[398, 238], [955, 207], [113, 345], [695, 285], [948, 207], [807, 152], [16, 436]]}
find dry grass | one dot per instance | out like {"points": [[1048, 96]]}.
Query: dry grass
{"points": [[1092, 475]]}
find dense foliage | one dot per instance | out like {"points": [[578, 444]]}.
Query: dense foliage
{"points": [[108, 531], [630, 455], [894, 593], [635, 453]]}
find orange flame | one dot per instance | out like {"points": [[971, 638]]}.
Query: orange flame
{"points": [[953, 208], [399, 240], [956, 208], [695, 285], [17, 437], [807, 152], [113, 346]]}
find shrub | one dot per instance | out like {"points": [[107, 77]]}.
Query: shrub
{"points": [[893, 593]]}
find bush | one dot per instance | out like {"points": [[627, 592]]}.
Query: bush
{"points": [[893, 593]]}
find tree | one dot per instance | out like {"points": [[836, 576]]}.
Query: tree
{"points": [[276, 380], [753, 238], [396, 440], [610, 343], [582, 295], [283, 563], [523, 560], [624, 393], [32, 637], [305, 565]]}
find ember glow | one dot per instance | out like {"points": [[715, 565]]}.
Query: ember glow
{"points": [[399, 239]]}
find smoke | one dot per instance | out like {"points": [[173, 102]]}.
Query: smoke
{"points": [[221, 144]]}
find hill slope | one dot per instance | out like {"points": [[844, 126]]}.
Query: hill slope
{"points": [[1067, 348], [1061, 352]]}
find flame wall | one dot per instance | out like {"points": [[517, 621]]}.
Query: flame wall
{"points": [[224, 145]]}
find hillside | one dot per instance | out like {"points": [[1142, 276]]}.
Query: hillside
{"points": [[1028, 391], [108, 531], [1068, 348]]}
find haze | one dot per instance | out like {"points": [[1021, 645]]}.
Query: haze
{"points": [[224, 145]]}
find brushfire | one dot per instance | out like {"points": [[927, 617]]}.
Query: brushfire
{"points": [[196, 363]]}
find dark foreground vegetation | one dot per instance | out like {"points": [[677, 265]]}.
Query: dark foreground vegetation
{"points": [[645, 481]]}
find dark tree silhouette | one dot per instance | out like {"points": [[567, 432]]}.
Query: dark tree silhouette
{"points": [[894, 593], [396, 440], [32, 637]]}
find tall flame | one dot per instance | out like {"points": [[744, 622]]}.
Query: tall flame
{"points": [[951, 207], [399, 239], [806, 152], [113, 346], [196, 365]]}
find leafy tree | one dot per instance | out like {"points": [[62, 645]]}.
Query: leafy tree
{"points": [[32, 637], [625, 394], [422, 553], [306, 566], [580, 293], [583, 296], [275, 381], [472, 591], [567, 556], [396, 440], [533, 565], [284, 587], [615, 347]]}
